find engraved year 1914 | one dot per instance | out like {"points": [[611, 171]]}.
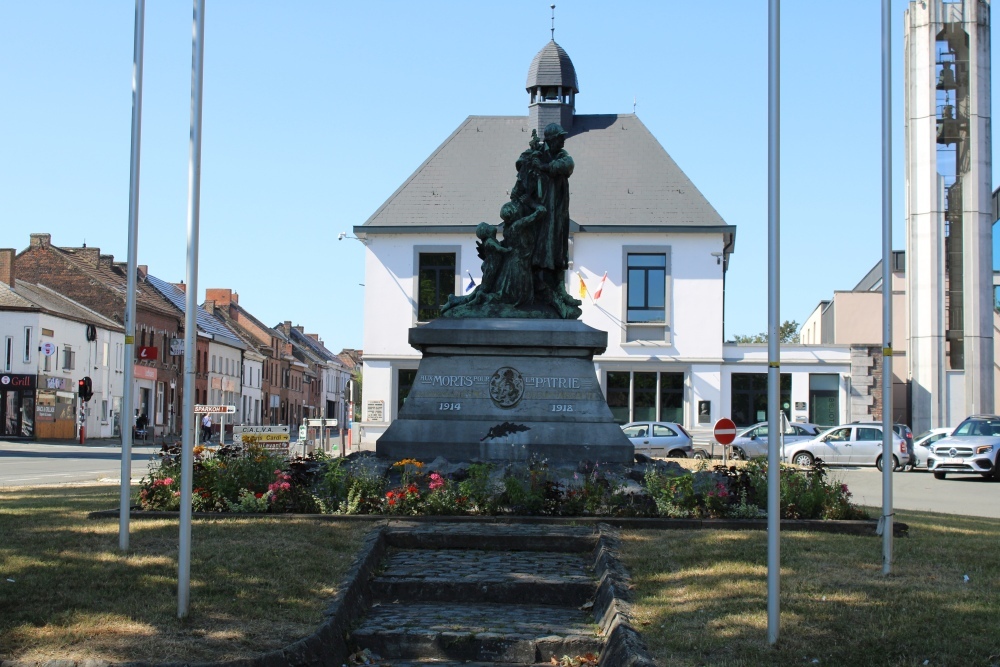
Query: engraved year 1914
{"points": [[449, 406]]}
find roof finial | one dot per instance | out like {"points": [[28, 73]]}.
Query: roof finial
{"points": [[553, 29]]}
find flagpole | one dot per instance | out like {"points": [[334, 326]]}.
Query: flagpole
{"points": [[887, 434], [125, 420], [773, 340], [191, 308]]}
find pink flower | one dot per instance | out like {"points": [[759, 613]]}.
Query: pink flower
{"points": [[436, 481]]}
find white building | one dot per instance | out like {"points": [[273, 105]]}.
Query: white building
{"points": [[636, 217], [50, 344]]}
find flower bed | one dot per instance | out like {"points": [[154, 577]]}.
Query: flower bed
{"points": [[230, 479]]}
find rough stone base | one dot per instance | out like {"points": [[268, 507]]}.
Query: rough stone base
{"points": [[509, 389]]}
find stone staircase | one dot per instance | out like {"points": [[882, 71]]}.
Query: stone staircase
{"points": [[478, 593]]}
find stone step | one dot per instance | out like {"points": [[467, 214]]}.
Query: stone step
{"points": [[491, 536], [510, 577], [493, 633]]}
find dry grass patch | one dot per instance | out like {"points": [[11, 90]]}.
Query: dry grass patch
{"points": [[701, 596], [256, 584]]}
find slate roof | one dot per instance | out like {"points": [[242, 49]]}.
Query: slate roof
{"points": [[315, 347], [244, 334], [552, 67], [9, 299], [203, 318], [623, 181]]}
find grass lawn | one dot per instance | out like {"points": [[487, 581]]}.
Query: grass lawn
{"points": [[256, 584], [700, 596]]}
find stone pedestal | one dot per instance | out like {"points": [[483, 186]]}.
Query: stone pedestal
{"points": [[506, 389]]}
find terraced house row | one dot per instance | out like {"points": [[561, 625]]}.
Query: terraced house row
{"points": [[62, 325]]}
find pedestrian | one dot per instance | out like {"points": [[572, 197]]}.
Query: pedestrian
{"points": [[206, 428]]}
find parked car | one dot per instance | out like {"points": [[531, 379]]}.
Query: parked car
{"points": [[858, 444], [751, 442], [659, 439], [923, 446], [904, 432], [970, 450]]}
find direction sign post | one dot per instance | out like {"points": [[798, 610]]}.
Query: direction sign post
{"points": [[214, 409]]}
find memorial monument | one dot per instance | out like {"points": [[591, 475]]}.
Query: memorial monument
{"points": [[507, 371]]}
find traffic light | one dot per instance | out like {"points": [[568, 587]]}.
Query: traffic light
{"points": [[86, 389]]}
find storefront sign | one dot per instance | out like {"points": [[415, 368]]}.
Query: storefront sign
{"points": [[176, 347], [48, 349], [56, 383], [144, 373], [17, 381], [147, 353]]}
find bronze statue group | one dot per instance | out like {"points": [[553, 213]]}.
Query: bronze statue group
{"points": [[523, 275]]}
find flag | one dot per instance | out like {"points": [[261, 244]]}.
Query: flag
{"points": [[472, 284], [583, 286], [600, 286]]}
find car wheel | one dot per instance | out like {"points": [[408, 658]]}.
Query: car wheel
{"points": [[739, 454], [895, 462], [804, 459], [939, 475], [699, 454], [677, 454]]}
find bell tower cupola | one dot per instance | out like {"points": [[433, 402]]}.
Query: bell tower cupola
{"points": [[552, 88]]}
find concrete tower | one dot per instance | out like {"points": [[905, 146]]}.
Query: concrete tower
{"points": [[948, 210]]}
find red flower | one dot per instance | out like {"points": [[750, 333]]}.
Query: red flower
{"points": [[258, 495], [412, 488]]}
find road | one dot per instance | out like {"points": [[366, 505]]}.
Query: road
{"points": [[967, 495], [37, 464]]}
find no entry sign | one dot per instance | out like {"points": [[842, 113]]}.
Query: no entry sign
{"points": [[725, 431]]}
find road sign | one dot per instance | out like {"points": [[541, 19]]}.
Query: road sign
{"points": [[273, 438], [725, 431], [214, 409]]}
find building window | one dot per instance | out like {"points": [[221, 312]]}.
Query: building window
{"points": [[27, 345], [646, 396], [213, 363], [69, 359], [646, 288], [405, 377], [618, 396], [46, 362], [647, 294], [435, 281], [749, 397], [106, 353], [8, 354]]}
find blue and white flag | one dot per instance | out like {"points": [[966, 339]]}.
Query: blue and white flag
{"points": [[472, 284]]}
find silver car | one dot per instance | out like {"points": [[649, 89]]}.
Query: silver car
{"points": [[659, 439], [751, 442], [970, 450], [858, 444], [923, 446]]}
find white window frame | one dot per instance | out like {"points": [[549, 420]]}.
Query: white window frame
{"points": [[8, 353], [638, 333], [69, 358], [27, 344]]}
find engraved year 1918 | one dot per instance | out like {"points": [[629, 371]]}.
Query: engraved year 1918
{"points": [[561, 407], [449, 406]]}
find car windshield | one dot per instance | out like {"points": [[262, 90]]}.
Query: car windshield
{"points": [[969, 427]]}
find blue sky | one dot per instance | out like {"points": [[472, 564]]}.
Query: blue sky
{"points": [[315, 112]]}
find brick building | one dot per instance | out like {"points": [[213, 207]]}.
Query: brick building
{"points": [[99, 283]]}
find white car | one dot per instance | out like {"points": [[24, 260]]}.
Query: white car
{"points": [[922, 446], [659, 439], [970, 450], [858, 444], [751, 442]]}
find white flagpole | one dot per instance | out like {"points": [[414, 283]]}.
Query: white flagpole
{"points": [[773, 339], [125, 419], [887, 439], [191, 308]]}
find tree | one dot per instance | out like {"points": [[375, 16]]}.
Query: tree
{"points": [[788, 332]]}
